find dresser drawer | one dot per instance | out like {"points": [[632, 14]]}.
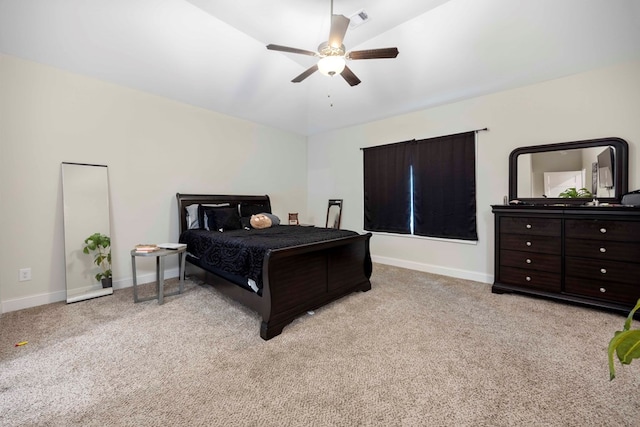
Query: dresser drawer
{"points": [[602, 249], [531, 260], [608, 230], [615, 292], [533, 279], [530, 226], [539, 244], [602, 270]]}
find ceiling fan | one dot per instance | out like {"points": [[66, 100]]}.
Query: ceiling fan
{"points": [[333, 55]]}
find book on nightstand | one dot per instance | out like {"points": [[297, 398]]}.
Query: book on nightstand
{"points": [[145, 248]]}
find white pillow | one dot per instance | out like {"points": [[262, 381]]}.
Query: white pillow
{"points": [[192, 216]]}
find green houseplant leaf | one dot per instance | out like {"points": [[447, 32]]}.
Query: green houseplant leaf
{"points": [[572, 192], [100, 245], [625, 344]]}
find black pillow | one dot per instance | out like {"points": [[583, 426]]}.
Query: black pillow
{"points": [[245, 221], [223, 218], [253, 209], [201, 208]]}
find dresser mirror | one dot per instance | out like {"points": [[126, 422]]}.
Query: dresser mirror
{"points": [[570, 172]]}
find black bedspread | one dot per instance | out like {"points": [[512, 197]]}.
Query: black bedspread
{"points": [[241, 252]]}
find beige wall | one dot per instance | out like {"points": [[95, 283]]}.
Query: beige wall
{"points": [[154, 148], [600, 103], [48, 116]]}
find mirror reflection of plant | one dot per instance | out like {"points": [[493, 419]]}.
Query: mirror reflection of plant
{"points": [[572, 192], [625, 344], [101, 245]]}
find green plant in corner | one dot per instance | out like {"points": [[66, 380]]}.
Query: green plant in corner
{"points": [[572, 192], [625, 344], [100, 245]]}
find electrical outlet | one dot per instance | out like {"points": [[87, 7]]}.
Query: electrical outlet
{"points": [[25, 274]]}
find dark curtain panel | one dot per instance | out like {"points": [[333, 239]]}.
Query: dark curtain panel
{"points": [[445, 187], [387, 194]]}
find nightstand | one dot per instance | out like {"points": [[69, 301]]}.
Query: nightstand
{"points": [[160, 255]]}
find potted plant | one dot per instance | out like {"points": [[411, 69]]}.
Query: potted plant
{"points": [[572, 192], [625, 344], [100, 246]]}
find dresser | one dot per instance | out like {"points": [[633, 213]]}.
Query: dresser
{"points": [[586, 255]]}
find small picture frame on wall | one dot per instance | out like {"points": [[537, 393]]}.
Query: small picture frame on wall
{"points": [[293, 219]]}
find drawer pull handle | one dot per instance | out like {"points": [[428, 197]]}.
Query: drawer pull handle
{"points": [[528, 225], [603, 230], [603, 290], [603, 250], [528, 278], [528, 243], [603, 270], [528, 261]]}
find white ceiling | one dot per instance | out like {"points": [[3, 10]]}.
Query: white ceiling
{"points": [[211, 53]]}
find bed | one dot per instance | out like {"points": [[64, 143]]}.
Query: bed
{"points": [[284, 273]]}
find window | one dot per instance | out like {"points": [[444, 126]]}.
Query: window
{"points": [[422, 187]]}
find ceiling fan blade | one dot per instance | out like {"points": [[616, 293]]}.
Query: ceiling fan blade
{"points": [[290, 49], [306, 74], [339, 25], [351, 78], [388, 52]]}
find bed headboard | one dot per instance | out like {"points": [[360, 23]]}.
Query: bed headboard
{"points": [[185, 200]]}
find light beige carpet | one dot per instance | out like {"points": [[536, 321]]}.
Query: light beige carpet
{"points": [[416, 350]]}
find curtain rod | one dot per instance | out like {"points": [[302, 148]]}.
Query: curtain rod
{"points": [[474, 130]]}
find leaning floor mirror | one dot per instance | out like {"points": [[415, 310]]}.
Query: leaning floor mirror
{"points": [[334, 213], [85, 193]]}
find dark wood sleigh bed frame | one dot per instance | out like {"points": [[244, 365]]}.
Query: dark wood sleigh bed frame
{"points": [[295, 279]]}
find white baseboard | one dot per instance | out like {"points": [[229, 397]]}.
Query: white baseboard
{"points": [[169, 273], [33, 301], [435, 269], [57, 296]]}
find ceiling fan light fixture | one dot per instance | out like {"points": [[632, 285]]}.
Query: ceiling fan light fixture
{"points": [[332, 53], [331, 65]]}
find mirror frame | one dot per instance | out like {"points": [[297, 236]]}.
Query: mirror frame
{"points": [[336, 220], [86, 210], [621, 169]]}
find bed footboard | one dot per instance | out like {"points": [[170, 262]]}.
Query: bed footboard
{"points": [[307, 277]]}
